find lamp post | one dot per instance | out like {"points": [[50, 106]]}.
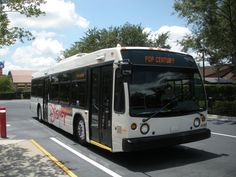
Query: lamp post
{"points": [[203, 65], [202, 49]]}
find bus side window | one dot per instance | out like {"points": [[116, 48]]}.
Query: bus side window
{"points": [[79, 93], [119, 105], [64, 96], [64, 90], [54, 92], [33, 88]]}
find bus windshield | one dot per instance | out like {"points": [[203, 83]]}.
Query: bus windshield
{"points": [[153, 87]]}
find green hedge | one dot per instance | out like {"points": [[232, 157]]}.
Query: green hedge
{"points": [[222, 92], [8, 96], [15, 95], [226, 108], [222, 99]]}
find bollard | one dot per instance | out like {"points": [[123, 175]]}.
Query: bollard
{"points": [[3, 129]]}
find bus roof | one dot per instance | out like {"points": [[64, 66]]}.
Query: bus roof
{"points": [[87, 59]]}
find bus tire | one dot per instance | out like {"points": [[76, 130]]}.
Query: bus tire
{"points": [[80, 130], [40, 116]]}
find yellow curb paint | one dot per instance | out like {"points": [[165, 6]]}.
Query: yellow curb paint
{"points": [[100, 145], [63, 167]]}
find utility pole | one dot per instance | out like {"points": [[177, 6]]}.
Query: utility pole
{"points": [[203, 65]]}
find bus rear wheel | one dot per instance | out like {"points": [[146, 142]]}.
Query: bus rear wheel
{"points": [[80, 131]]}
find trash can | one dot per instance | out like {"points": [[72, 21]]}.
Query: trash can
{"points": [[3, 129]]}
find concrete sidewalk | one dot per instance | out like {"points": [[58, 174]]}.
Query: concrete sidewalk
{"points": [[22, 158]]}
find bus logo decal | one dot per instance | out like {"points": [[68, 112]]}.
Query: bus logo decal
{"points": [[57, 113]]}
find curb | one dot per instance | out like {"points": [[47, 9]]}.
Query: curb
{"points": [[57, 162], [223, 118]]}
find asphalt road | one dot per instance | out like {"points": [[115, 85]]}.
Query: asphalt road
{"points": [[214, 157]]}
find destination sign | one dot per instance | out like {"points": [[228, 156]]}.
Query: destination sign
{"points": [[158, 58], [153, 59]]}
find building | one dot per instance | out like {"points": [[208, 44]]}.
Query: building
{"points": [[21, 79], [223, 75]]}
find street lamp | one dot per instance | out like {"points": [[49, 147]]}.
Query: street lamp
{"points": [[202, 50], [203, 65]]}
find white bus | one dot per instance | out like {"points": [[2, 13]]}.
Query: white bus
{"points": [[124, 98]]}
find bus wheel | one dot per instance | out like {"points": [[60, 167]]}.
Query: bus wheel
{"points": [[40, 118], [80, 131]]}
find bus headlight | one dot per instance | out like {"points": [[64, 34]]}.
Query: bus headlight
{"points": [[196, 122], [144, 129]]}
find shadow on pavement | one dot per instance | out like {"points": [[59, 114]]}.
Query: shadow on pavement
{"points": [[20, 160], [157, 159], [150, 160]]}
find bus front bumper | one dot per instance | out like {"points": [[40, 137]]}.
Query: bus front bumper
{"points": [[134, 144]]}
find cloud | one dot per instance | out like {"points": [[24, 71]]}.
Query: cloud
{"points": [[40, 54], [10, 66], [43, 34], [176, 33], [3, 51], [59, 14]]}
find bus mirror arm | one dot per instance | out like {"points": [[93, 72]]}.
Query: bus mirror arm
{"points": [[126, 69]]}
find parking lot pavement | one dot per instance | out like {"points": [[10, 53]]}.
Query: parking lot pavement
{"points": [[22, 158]]}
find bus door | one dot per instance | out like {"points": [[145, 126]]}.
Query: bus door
{"points": [[101, 104], [45, 98]]}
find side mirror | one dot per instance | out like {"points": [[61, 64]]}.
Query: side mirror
{"points": [[126, 69]]}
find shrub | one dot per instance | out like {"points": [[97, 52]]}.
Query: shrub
{"points": [[15, 95], [6, 85], [226, 92], [226, 108], [222, 100], [8, 96]]}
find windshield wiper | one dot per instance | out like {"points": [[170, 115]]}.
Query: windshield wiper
{"points": [[163, 107]]}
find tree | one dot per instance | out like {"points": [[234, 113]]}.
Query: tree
{"points": [[126, 35], [161, 41], [213, 24], [6, 85], [132, 35], [9, 35]]}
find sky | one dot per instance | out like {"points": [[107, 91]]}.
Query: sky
{"points": [[66, 22]]}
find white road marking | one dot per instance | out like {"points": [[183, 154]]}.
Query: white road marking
{"points": [[220, 134], [106, 170]]}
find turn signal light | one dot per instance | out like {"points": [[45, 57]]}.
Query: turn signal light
{"points": [[133, 126], [203, 118]]}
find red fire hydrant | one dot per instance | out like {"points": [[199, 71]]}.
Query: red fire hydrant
{"points": [[3, 126]]}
